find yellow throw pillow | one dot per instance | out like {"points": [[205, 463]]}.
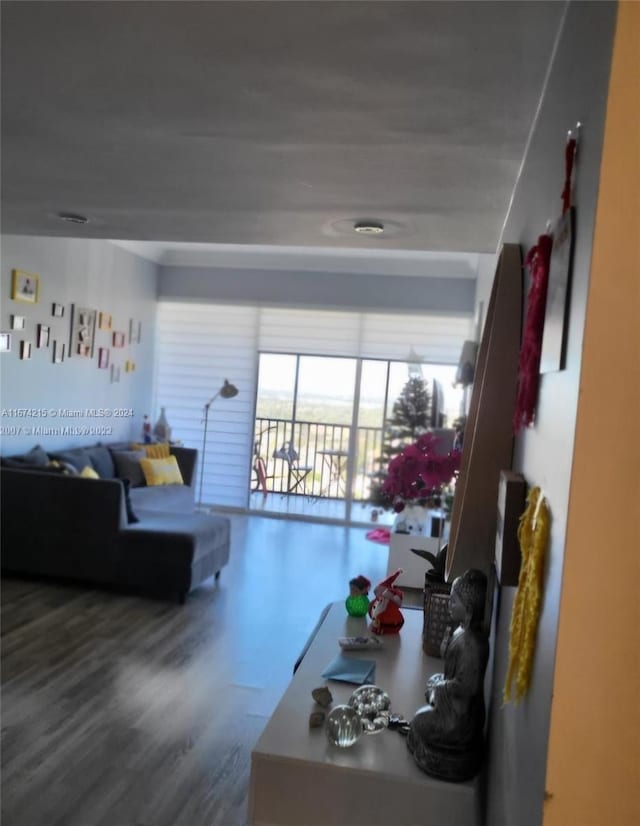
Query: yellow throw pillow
{"points": [[158, 450], [88, 473], [161, 471]]}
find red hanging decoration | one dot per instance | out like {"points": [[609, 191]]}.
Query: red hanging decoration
{"points": [[538, 260]]}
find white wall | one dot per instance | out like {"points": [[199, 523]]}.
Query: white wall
{"points": [[577, 91], [88, 273], [303, 288]]}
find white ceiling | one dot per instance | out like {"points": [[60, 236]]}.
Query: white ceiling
{"points": [[270, 123]]}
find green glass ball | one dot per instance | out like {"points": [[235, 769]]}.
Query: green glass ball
{"points": [[357, 606]]}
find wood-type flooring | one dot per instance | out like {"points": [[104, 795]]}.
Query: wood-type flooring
{"points": [[124, 710]]}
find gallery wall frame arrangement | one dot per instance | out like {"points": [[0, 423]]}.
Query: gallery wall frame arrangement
{"points": [[25, 286]]}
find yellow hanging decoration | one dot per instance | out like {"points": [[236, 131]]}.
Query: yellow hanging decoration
{"points": [[533, 535]]}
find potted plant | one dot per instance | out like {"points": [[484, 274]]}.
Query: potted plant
{"points": [[420, 475]]}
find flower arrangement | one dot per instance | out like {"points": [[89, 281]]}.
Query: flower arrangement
{"points": [[421, 475]]}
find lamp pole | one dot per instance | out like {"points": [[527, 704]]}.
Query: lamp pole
{"points": [[227, 391]]}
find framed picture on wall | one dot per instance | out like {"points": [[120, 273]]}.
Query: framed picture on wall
{"points": [[17, 322], [57, 310], [5, 342], [103, 358], [58, 352], [105, 321], [25, 286], [118, 339], [83, 331], [43, 335], [25, 349]]}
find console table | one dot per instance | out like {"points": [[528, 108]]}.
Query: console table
{"points": [[298, 778]]}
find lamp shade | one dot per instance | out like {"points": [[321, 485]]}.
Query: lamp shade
{"points": [[228, 390]]}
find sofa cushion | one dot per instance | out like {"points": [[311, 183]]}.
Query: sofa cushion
{"points": [[89, 473], [157, 450], [161, 471], [127, 464], [36, 457], [77, 456], [101, 461], [165, 498]]}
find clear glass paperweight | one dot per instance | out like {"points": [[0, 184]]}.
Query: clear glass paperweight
{"points": [[372, 705], [344, 726]]}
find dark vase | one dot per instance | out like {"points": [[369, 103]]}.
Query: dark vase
{"points": [[436, 613]]}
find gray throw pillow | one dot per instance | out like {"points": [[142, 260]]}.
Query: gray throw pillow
{"points": [[101, 461], [77, 456], [36, 457], [128, 466]]}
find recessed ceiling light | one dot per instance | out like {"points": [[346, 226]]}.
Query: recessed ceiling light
{"points": [[369, 227], [72, 218]]}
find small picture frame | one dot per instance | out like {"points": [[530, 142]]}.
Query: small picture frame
{"points": [[118, 339], [104, 321], [25, 349], [129, 366], [115, 374], [44, 332], [103, 358], [58, 351], [25, 286], [5, 342], [84, 350], [57, 310], [17, 322]]}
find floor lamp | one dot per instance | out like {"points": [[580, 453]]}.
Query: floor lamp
{"points": [[227, 391]]}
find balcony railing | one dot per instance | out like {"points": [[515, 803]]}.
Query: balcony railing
{"points": [[312, 458]]}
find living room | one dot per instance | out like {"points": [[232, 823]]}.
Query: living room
{"points": [[46, 625]]}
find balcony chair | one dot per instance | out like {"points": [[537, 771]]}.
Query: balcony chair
{"points": [[297, 473]]}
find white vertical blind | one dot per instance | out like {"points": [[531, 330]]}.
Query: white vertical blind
{"points": [[199, 345]]}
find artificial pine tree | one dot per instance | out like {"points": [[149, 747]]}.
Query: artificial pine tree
{"points": [[410, 418]]}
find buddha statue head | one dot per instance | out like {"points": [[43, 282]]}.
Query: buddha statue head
{"points": [[468, 595]]}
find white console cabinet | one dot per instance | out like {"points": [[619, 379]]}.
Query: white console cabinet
{"points": [[298, 778]]}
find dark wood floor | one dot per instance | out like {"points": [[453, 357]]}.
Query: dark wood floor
{"points": [[120, 710]]}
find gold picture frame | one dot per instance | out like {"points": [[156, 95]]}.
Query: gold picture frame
{"points": [[25, 286]]}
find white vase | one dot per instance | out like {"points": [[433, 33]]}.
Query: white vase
{"points": [[412, 520], [162, 431]]}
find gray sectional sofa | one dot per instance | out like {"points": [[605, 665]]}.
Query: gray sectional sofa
{"points": [[108, 531]]}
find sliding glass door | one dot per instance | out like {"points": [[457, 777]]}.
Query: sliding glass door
{"points": [[319, 427]]}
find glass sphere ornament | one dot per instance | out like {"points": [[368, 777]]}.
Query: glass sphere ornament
{"points": [[373, 706], [357, 606], [343, 726], [357, 603]]}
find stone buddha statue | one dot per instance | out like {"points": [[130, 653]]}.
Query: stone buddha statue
{"points": [[446, 735]]}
